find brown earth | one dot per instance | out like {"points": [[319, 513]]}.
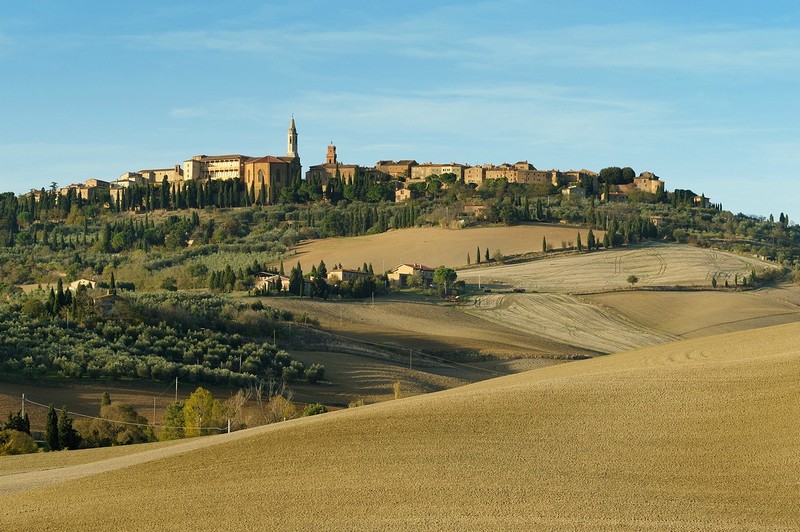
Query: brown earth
{"points": [[431, 246], [696, 434]]}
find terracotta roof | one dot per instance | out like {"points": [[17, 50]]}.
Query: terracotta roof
{"points": [[418, 267], [266, 159]]}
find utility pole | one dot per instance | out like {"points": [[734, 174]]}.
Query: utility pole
{"points": [[23, 405], [154, 411], [409, 358], [176, 389]]}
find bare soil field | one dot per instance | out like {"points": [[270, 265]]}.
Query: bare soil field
{"points": [[693, 314], [548, 319], [654, 263], [426, 324], [431, 246], [567, 319], [695, 434]]}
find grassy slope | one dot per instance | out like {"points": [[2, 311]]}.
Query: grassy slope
{"points": [[694, 434]]}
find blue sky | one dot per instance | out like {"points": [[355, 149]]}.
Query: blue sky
{"points": [[704, 94]]}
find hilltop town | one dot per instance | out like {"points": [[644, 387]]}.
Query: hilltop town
{"points": [[260, 179]]}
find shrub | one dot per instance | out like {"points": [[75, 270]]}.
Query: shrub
{"points": [[315, 373], [16, 442], [313, 410]]}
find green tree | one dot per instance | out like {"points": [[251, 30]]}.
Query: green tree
{"points": [[202, 412], [313, 410], [120, 424], [16, 442], [478, 255], [579, 244], [173, 422], [19, 422], [444, 278], [296, 280], [68, 437], [321, 281], [544, 244], [590, 241], [632, 279], [51, 430]]}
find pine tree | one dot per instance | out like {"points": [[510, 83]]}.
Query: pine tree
{"points": [[478, 255], [579, 244], [544, 244], [486, 255]]}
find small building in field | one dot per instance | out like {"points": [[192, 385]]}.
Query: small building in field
{"points": [[402, 194], [402, 275], [271, 282], [108, 302], [82, 282], [344, 274], [574, 191]]}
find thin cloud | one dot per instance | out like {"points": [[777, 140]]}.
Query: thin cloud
{"points": [[187, 112]]}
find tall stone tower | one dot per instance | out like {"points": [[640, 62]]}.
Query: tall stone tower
{"points": [[292, 140], [331, 158]]}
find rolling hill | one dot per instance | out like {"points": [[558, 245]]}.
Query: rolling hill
{"points": [[694, 434]]}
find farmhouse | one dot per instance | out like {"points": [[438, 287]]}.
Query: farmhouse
{"points": [[403, 274], [343, 274], [108, 302], [271, 281], [82, 282]]}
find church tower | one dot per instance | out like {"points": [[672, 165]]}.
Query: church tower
{"points": [[331, 157], [292, 140]]}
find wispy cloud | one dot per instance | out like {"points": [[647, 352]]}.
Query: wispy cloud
{"points": [[187, 112], [645, 47], [226, 41]]}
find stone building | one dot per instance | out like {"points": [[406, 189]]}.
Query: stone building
{"points": [[332, 168], [396, 168], [267, 174]]}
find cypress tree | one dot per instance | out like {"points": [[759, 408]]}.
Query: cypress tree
{"points": [[544, 244], [51, 430], [68, 437]]}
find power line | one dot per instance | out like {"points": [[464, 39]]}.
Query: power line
{"points": [[154, 425]]}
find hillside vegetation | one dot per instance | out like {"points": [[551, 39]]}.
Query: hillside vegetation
{"points": [[691, 435]]}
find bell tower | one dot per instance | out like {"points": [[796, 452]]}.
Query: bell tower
{"points": [[331, 157], [292, 151]]}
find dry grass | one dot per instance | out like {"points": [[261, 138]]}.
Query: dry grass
{"points": [[700, 434]]}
